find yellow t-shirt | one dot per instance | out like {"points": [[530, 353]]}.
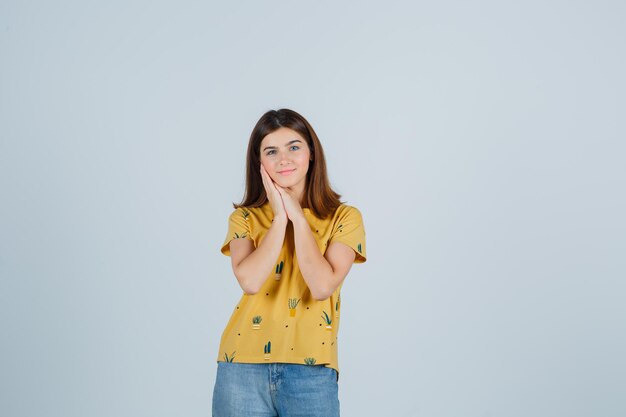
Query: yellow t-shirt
{"points": [[283, 322]]}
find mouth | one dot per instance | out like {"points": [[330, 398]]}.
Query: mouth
{"points": [[286, 171]]}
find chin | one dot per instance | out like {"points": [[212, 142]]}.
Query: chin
{"points": [[287, 182]]}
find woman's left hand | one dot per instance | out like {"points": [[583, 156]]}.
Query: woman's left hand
{"points": [[292, 206]]}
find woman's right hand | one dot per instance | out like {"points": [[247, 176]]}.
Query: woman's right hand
{"points": [[273, 195]]}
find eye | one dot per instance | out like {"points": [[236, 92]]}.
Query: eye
{"points": [[294, 147], [270, 152]]}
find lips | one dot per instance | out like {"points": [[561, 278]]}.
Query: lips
{"points": [[286, 171]]}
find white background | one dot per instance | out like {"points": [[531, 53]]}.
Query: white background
{"points": [[484, 143]]}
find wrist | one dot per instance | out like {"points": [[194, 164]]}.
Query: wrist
{"points": [[299, 221], [280, 219]]}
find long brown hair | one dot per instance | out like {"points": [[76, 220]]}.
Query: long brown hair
{"points": [[319, 196]]}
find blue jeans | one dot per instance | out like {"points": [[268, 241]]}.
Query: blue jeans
{"points": [[275, 389]]}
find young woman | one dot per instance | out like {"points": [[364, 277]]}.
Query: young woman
{"points": [[291, 243]]}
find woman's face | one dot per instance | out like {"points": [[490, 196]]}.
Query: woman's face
{"points": [[285, 156]]}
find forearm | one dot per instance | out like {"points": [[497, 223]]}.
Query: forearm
{"points": [[254, 270], [315, 269]]}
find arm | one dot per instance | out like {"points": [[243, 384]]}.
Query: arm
{"points": [[322, 273], [252, 266]]}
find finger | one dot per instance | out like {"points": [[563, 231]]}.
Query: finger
{"points": [[270, 186], [269, 179], [280, 189], [264, 180], [265, 175], [283, 191], [267, 183]]}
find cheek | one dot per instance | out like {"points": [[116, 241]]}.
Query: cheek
{"points": [[267, 163], [304, 160], [269, 168]]}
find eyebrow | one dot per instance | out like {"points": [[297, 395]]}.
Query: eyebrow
{"points": [[276, 147]]}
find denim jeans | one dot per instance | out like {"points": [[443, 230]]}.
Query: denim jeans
{"points": [[275, 389]]}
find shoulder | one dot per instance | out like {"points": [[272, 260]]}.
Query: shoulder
{"points": [[345, 211], [248, 212], [239, 211], [346, 215], [252, 218]]}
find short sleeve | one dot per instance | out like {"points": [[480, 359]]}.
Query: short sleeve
{"points": [[349, 229], [238, 228]]}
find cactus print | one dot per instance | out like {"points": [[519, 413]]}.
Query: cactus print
{"points": [[279, 270], [293, 303], [283, 312], [267, 350], [327, 320]]}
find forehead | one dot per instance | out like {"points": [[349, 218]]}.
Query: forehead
{"points": [[281, 137]]}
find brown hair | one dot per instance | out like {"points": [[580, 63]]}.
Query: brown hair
{"points": [[319, 196]]}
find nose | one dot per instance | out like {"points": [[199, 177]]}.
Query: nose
{"points": [[284, 158]]}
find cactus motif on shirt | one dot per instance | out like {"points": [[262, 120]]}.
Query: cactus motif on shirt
{"points": [[279, 270], [245, 214], [229, 359], [293, 303], [359, 247], [337, 305], [327, 320], [267, 349], [256, 322], [309, 361], [239, 236]]}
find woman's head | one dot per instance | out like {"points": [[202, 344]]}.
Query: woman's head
{"points": [[289, 149], [286, 157]]}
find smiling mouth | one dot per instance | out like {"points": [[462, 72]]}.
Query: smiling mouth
{"points": [[286, 172]]}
